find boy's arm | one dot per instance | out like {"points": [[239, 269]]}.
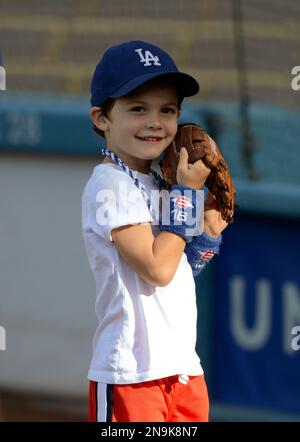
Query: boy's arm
{"points": [[154, 259]]}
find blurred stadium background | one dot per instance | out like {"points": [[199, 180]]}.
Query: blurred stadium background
{"points": [[243, 54]]}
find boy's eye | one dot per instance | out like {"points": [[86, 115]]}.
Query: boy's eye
{"points": [[169, 110], [165, 110], [137, 108]]}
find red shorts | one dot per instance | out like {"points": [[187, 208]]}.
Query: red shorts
{"points": [[161, 400]]}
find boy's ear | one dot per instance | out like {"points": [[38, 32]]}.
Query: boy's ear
{"points": [[98, 118]]}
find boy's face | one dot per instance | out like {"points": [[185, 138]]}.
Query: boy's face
{"points": [[142, 124]]}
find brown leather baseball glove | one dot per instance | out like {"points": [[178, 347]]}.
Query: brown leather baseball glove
{"points": [[200, 146]]}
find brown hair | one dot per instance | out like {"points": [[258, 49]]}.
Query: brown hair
{"points": [[106, 108]]}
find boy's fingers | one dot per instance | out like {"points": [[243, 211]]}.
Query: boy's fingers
{"points": [[183, 152], [199, 164], [183, 157]]}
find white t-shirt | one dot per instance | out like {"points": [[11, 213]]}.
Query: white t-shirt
{"points": [[144, 332]]}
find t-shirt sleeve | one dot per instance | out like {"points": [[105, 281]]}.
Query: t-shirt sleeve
{"points": [[115, 201]]}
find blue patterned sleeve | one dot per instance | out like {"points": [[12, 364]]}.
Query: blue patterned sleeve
{"points": [[201, 250]]}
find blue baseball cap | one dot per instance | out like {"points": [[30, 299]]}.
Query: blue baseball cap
{"points": [[126, 66]]}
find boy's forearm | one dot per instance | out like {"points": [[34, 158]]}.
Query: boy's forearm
{"points": [[177, 224], [167, 252]]}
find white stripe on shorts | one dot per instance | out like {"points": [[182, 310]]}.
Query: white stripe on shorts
{"points": [[101, 402]]}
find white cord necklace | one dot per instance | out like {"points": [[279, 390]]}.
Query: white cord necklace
{"points": [[158, 179]]}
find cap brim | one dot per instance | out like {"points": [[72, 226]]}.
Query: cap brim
{"points": [[188, 85]]}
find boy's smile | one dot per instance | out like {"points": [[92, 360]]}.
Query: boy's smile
{"points": [[142, 124]]}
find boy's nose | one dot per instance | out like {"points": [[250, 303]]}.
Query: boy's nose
{"points": [[154, 123]]}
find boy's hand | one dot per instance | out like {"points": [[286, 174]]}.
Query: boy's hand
{"points": [[191, 175], [213, 221], [200, 145]]}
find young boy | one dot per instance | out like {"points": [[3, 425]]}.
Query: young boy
{"points": [[144, 366]]}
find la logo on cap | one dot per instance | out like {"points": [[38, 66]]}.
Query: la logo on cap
{"points": [[148, 58]]}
